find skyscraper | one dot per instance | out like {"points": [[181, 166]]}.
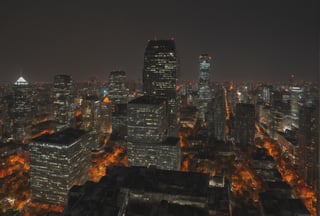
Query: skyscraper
{"points": [[57, 162], [148, 143], [160, 76], [22, 120], [62, 100], [118, 95], [204, 90], [244, 124], [219, 115], [118, 91], [308, 138]]}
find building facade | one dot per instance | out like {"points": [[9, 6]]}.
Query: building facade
{"points": [[62, 100], [21, 110], [148, 142], [160, 76], [204, 90], [57, 162], [245, 124]]}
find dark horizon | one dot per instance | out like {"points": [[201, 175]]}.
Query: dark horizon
{"points": [[257, 42]]}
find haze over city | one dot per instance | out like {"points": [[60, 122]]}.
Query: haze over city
{"points": [[254, 41]]}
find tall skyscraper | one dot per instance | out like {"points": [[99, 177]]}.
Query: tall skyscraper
{"points": [[204, 90], [21, 110], [160, 76], [118, 91], [295, 104], [219, 115], [62, 100], [148, 143], [118, 95], [244, 124], [57, 162], [308, 140]]}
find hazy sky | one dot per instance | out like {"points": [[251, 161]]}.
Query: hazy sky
{"points": [[248, 40]]}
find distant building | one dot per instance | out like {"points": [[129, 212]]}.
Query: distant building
{"points": [[218, 111], [57, 162], [295, 104], [21, 110], [148, 142], [119, 120], [245, 124], [118, 91], [204, 90], [160, 73], [96, 119], [62, 100], [118, 95]]}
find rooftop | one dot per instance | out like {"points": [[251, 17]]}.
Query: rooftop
{"points": [[21, 81], [147, 100], [64, 137]]}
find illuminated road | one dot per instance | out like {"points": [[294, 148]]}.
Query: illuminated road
{"points": [[289, 175]]}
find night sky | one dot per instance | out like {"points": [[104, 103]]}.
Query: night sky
{"points": [[248, 40]]}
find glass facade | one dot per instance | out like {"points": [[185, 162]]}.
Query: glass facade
{"points": [[62, 100], [160, 76]]}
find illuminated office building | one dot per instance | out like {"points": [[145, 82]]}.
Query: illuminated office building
{"points": [[204, 90], [62, 100], [148, 143], [118, 91], [118, 95], [57, 162], [295, 104], [160, 76], [22, 120]]}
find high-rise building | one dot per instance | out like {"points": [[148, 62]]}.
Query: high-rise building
{"points": [[245, 124], [295, 104], [160, 76], [62, 100], [308, 140], [57, 162], [118, 91], [148, 143], [219, 115], [22, 120], [118, 95], [204, 90]]}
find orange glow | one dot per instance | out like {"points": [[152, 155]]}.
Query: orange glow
{"points": [[231, 87], [106, 100], [98, 168], [227, 104], [243, 180], [289, 175], [185, 165], [45, 131], [77, 113], [40, 209], [14, 163], [178, 87]]}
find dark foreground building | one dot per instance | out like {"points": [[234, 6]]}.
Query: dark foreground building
{"points": [[147, 191]]}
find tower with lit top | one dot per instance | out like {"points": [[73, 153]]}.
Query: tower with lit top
{"points": [[21, 111], [204, 90]]}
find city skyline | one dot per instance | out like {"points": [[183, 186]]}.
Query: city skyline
{"points": [[256, 42]]}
